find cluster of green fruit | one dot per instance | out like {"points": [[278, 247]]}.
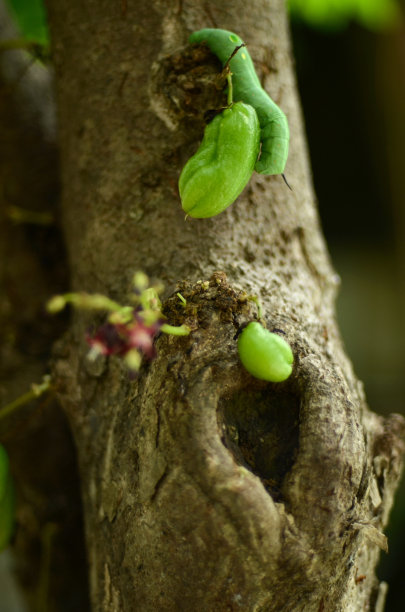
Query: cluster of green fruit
{"points": [[250, 134]]}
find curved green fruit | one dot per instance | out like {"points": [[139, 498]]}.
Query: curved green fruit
{"points": [[213, 178], [265, 355], [275, 134]]}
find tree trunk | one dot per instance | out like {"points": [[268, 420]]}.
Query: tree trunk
{"points": [[204, 488]]}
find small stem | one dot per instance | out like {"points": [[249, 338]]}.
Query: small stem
{"points": [[182, 299], [230, 88], [183, 330], [255, 299], [234, 52], [35, 391], [94, 301], [227, 71], [21, 215], [47, 541]]}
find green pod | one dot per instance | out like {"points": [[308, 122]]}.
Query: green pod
{"points": [[265, 355], [7, 500], [275, 133], [214, 177]]}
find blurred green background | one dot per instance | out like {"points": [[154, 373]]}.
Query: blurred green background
{"points": [[350, 60]]}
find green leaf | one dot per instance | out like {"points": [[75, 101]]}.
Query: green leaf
{"points": [[30, 17]]}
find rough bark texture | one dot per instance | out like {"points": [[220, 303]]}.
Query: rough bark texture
{"points": [[203, 488]]}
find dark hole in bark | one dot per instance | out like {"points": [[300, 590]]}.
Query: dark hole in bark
{"points": [[191, 83], [260, 428]]}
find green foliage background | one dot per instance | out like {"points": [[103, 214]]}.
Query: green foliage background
{"points": [[30, 18], [336, 14]]}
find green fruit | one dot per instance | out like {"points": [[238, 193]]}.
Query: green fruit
{"points": [[275, 134], [265, 355], [213, 178]]}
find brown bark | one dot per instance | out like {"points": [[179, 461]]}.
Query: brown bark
{"points": [[203, 488]]}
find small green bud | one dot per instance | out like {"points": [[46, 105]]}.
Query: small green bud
{"points": [[133, 359], [56, 304], [140, 281]]}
